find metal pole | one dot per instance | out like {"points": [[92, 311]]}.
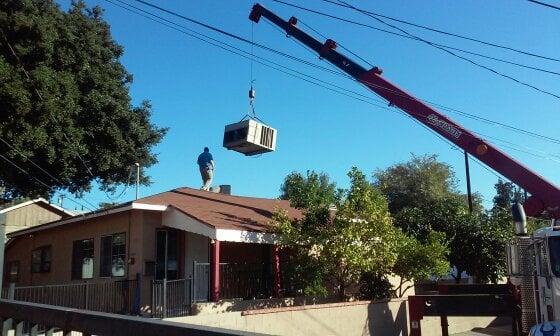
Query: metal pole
{"points": [[165, 297], [467, 171], [2, 243], [137, 178]]}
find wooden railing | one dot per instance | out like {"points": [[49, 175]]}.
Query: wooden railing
{"points": [[33, 319]]}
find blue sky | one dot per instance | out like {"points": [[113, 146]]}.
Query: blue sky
{"points": [[196, 89]]}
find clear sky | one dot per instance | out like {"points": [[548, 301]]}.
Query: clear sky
{"points": [[196, 89]]}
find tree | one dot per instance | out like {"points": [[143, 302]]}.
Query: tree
{"points": [[413, 183], [311, 191], [417, 261], [66, 103], [423, 197], [358, 237]]}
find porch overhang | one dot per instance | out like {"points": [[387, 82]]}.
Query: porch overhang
{"points": [[174, 218]]}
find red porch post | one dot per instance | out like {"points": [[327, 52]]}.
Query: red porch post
{"points": [[215, 272], [276, 257]]}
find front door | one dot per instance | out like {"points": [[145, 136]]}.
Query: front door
{"points": [[167, 252]]}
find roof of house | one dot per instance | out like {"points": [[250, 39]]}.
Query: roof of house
{"points": [[221, 210], [40, 201], [217, 210]]}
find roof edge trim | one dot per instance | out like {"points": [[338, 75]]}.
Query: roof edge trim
{"points": [[132, 206]]}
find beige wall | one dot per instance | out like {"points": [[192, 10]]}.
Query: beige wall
{"points": [[138, 225], [29, 215], [384, 318]]}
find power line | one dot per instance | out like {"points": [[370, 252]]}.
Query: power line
{"points": [[314, 78], [544, 4], [38, 167], [220, 44], [39, 181], [492, 44], [242, 53], [511, 127], [307, 9], [487, 68]]}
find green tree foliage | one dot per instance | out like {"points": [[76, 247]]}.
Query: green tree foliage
{"points": [[423, 197], [74, 104], [358, 237], [312, 191], [413, 183], [420, 261]]}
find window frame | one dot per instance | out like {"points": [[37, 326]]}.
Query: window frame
{"points": [[73, 272], [110, 256], [43, 262]]}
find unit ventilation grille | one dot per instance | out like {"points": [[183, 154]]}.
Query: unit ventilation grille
{"points": [[267, 136]]}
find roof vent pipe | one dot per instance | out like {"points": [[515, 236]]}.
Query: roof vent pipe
{"points": [[519, 219]]}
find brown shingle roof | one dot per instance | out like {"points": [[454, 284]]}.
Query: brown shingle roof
{"points": [[223, 211]]}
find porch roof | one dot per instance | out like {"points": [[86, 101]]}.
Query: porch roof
{"points": [[222, 211]]}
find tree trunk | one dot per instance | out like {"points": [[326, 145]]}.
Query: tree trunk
{"points": [[458, 277], [342, 292]]}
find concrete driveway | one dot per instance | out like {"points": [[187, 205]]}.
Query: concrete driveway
{"points": [[490, 331]]}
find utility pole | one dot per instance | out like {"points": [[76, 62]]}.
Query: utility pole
{"points": [[2, 244], [467, 171], [137, 178]]}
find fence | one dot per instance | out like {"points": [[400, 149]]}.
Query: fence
{"points": [[15, 315], [246, 281], [237, 280], [119, 297], [201, 281], [171, 298]]}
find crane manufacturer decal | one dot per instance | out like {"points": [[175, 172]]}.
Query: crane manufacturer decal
{"points": [[444, 125]]}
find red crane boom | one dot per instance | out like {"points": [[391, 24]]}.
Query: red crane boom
{"points": [[545, 196]]}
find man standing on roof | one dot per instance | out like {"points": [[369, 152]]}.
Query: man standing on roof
{"points": [[206, 164]]}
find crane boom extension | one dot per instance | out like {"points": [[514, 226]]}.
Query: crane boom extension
{"points": [[544, 194]]}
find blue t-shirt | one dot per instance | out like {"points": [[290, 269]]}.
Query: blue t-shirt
{"points": [[204, 160]]}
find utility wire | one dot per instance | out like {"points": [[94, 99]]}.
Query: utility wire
{"points": [[544, 4], [513, 146], [38, 180], [452, 110], [39, 167], [453, 146], [240, 52], [366, 100], [307, 9], [492, 44], [498, 73]]}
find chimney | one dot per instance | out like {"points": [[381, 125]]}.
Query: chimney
{"points": [[222, 189], [225, 189]]}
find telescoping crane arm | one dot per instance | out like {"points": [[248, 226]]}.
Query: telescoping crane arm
{"points": [[544, 194]]}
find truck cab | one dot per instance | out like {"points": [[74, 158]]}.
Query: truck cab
{"points": [[546, 252]]}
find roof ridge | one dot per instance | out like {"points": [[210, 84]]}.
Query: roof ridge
{"points": [[228, 195]]}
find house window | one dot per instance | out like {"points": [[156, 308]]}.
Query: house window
{"points": [[41, 259], [12, 271], [113, 255], [82, 259]]}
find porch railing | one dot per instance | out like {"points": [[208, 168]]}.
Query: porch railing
{"points": [[119, 297], [32, 318], [171, 298], [237, 280]]}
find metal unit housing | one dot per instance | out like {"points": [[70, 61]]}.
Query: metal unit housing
{"points": [[250, 137]]}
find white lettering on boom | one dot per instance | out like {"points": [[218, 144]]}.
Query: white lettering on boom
{"points": [[444, 125]]}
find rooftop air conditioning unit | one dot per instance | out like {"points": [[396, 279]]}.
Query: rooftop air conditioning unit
{"points": [[250, 137]]}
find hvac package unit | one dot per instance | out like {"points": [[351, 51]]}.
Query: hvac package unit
{"points": [[250, 137]]}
